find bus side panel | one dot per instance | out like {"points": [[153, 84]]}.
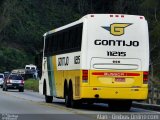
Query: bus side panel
{"points": [[58, 78], [46, 78]]}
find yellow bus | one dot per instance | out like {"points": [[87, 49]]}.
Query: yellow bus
{"points": [[99, 58]]}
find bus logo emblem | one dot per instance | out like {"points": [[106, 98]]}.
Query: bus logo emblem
{"points": [[117, 29]]}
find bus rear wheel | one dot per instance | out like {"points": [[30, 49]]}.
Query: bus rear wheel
{"points": [[69, 102], [74, 103], [48, 99], [120, 105]]}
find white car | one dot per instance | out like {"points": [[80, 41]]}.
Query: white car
{"points": [[1, 79]]}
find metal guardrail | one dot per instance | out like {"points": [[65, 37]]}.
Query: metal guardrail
{"points": [[146, 106], [154, 96], [153, 101]]}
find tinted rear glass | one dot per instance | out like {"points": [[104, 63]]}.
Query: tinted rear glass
{"points": [[1, 76], [14, 77], [32, 68], [27, 67]]}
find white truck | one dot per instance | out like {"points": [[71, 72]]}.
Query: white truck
{"points": [[31, 70]]}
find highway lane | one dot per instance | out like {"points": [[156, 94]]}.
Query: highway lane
{"points": [[31, 106], [32, 103]]}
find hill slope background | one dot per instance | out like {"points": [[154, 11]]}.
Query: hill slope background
{"points": [[23, 22]]}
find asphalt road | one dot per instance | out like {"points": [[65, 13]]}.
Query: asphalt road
{"points": [[30, 105]]}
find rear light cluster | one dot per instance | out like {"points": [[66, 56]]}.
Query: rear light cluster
{"points": [[8, 81], [84, 76], [122, 16], [22, 81], [141, 17], [145, 77], [115, 74]]}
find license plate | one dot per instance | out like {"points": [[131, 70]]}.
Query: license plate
{"points": [[15, 81], [119, 79]]}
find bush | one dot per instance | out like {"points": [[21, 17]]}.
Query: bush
{"points": [[31, 84]]}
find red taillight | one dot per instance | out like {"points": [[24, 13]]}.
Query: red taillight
{"points": [[116, 15], [111, 15], [22, 81], [8, 81], [122, 16], [145, 77], [92, 15], [85, 75], [115, 74], [141, 17]]}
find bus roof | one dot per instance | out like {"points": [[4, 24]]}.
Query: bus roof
{"points": [[63, 27], [89, 16]]}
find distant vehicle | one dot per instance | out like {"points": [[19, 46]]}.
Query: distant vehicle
{"points": [[18, 71], [6, 73], [30, 69], [99, 58], [1, 79], [14, 81]]}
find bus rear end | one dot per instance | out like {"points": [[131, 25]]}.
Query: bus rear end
{"points": [[115, 66]]}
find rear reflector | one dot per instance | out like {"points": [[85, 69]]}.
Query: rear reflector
{"points": [[115, 74], [8, 81], [85, 75], [22, 81]]}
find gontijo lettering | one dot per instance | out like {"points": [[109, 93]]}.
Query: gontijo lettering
{"points": [[63, 61], [116, 43]]}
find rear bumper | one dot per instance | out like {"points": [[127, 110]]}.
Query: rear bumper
{"points": [[15, 86], [114, 93]]}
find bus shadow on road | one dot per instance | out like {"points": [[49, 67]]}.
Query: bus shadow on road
{"points": [[96, 107], [90, 107]]}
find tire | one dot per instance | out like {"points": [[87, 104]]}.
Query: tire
{"points": [[48, 99], [74, 103], [68, 94], [67, 101], [120, 105], [5, 88], [21, 90]]}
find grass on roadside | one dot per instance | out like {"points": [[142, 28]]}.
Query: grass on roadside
{"points": [[31, 84]]}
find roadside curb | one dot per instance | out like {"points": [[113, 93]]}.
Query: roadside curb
{"points": [[146, 106]]}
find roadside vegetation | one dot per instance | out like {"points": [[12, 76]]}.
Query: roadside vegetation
{"points": [[31, 84]]}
